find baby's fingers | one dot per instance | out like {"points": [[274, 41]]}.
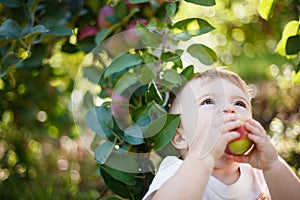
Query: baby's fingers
{"points": [[259, 141], [229, 126], [229, 137], [221, 144], [255, 128], [225, 139]]}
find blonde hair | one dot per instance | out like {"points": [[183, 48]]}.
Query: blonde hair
{"points": [[213, 74], [226, 75]]}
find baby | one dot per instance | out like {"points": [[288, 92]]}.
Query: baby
{"points": [[212, 105]]}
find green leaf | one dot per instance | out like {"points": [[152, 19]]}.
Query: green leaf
{"points": [[156, 111], [112, 19], [265, 8], [93, 74], [153, 94], [120, 10], [155, 127], [99, 119], [290, 29], [36, 58], [87, 44], [8, 61], [10, 29], [88, 100], [191, 27], [122, 62], [34, 32], [113, 198], [103, 151], [106, 32], [140, 116], [172, 78], [134, 135], [149, 58], [55, 31], [101, 35], [148, 37], [138, 1], [116, 186], [38, 29], [202, 2], [293, 45], [127, 178], [60, 31], [171, 9], [296, 77], [168, 150], [203, 53], [125, 82], [297, 68], [172, 57], [123, 162], [188, 72], [179, 52], [165, 135], [147, 75], [32, 4], [76, 7], [11, 3], [126, 191]]}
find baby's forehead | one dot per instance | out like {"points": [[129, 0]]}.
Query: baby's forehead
{"points": [[205, 84], [204, 81]]}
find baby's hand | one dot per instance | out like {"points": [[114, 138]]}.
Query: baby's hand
{"points": [[212, 141], [264, 154], [229, 123]]}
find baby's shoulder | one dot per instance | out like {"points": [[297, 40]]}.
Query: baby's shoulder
{"points": [[170, 162]]}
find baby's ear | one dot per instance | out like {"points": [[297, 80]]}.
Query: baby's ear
{"points": [[179, 141]]}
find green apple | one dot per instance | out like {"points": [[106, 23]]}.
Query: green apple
{"points": [[240, 145]]}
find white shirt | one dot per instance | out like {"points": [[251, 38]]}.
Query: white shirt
{"points": [[250, 185]]}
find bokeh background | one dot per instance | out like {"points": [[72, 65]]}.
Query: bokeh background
{"points": [[41, 152]]}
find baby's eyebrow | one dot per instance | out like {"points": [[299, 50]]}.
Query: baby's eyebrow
{"points": [[241, 97], [216, 95], [208, 95]]}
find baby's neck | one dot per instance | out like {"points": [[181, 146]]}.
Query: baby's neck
{"points": [[228, 175]]}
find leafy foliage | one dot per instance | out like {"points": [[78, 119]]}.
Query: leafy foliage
{"points": [[139, 82], [136, 77], [265, 8], [289, 43]]}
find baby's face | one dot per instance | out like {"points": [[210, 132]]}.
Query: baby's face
{"points": [[203, 103]]}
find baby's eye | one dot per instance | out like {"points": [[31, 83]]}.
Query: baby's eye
{"points": [[240, 103], [207, 102]]}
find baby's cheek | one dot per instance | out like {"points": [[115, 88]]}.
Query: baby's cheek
{"points": [[243, 112]]}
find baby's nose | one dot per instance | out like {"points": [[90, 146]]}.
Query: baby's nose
{"points": [[229, 110]]}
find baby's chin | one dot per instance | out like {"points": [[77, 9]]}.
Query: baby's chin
{"points": [[225, 160]]}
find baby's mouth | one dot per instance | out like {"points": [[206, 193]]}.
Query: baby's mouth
{"points": [[227, 158]]}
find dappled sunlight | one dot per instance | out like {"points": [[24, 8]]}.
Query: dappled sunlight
{"points": [[62, 164], [53, 70], [41, 116]]}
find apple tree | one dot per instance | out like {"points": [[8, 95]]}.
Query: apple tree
{"points": [[289, 44], [137, 67], [135, 56], [35, 83]]}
